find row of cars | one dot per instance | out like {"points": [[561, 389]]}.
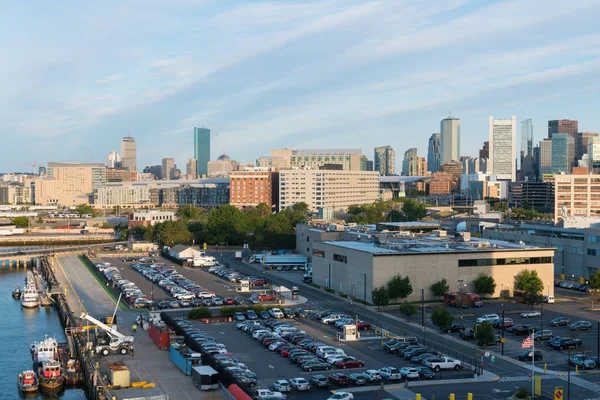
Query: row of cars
{"points": [[132, 294], [299, 347], [234, 276], [276, 313], [224, 360], [508, 323], [426, 359], [581, 287], [340, 320], [172, 282]]}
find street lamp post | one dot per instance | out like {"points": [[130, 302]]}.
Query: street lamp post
{"points": [[329, 278], [572, 279], [423, 310], [365, 290]]}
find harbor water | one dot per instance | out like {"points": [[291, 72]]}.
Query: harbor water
{"points": [[20, 328]]}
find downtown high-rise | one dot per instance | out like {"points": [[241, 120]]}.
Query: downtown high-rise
{"points": [[433, 153], [526, 139], [129, 154], [385, 160], [450, 140], [201, 150], [503, 148]]}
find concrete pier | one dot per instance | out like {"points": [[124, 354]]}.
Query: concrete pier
{"points": [[148, 363]]}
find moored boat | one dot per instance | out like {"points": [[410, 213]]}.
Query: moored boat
{"points": [[46, 350], [16, 294], [28, 382], [50, 375], [30, 297]]}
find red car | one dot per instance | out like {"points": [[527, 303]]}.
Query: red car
{"points": [[266, 297], [362, 325], [339, 379], [286, 353], [350, 363], [258, 282], [228, 301]]}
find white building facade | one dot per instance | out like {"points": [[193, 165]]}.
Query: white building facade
{"points": [[503, 148]]}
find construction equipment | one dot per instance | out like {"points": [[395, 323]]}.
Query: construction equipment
{"points": [[118, 342]]}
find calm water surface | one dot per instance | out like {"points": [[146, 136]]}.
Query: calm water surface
{"points": [[20, 327]]}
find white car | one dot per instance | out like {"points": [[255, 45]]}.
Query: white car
{"points": [[217, 301], [341, 396], [259, 332], [487, 317], [372, 375], [390, 373], [335, 360], [276, 313], [267, 393], [531, 314], [275, 345], [332, 318], [409, 373], [299, 384], [282, 386]]}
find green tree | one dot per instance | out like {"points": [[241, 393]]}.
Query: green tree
{"points": [[82, 209], [442, 318], [440, 287], [594, 281], [20, 222], [169, 233], [380, 296], [395, 216], [408, 309], [124, 234], [399, 287], [484, 284], [226, 224], [189, 212], [484, 333], [533, 286], [413, 210]]}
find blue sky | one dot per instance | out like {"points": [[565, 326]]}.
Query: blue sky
{"points": [[78, 76]]}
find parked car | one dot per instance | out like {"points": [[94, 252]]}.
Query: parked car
{"points": [[564, 343], [527, 355], [467, 335], [318, 381], [581, 360], [339, 379], [560, 321], [341, 396], [282, 385], [357, 379], [299, 384], [454, 328], [239, 316], [581, 326], [409, 373], [316, 366], [545, 334], [300, 313], [531, 314], [521, 329], [390, 373], [372, 375], [350, 362], [487, 317], [425, 373]]}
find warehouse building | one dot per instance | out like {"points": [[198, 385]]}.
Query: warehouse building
{"points": [[356, 267]]}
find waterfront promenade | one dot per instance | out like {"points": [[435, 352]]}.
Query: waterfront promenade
{"points": [[85, 293]]}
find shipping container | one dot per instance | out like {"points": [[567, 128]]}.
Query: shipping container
{"points": [[205, 378], [184, 358], [160, 335]]}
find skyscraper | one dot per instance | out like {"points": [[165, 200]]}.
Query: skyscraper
{"points": [[114, 160], [410, 156], [526, 139], [128, 154], [563, 148], [450, 140], [201, 150], [385, 160], [433, 153], [503, 148], [582, 142], [563, 126], [168, 168], [545, 160], [190, 168]]}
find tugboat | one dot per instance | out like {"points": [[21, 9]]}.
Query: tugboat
{"points": [[16, 294], [46, 350], [28, 382], [51, 376]]}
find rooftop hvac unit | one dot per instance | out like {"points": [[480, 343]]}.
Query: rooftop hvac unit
{"points": [[483, 245]]}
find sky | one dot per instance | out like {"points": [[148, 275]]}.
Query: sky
{"points": [[76, 77]]}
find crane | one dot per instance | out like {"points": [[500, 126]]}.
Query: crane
{"points": [[34, 165], [118, 342]]}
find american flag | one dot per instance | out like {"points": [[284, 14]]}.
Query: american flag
{"points": [[528, 342]]}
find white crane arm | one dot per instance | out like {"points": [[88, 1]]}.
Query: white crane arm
{"points": [[110, 331]]}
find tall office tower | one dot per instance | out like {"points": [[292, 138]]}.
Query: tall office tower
{"points": [[128, 154], [114, 160], [582, 142], [409, 156], [545, 160], [154, 170], [594, 155], [385, 160], [563, 126], [369, 165], [168, 168], [450, 140], [190, 168], [526, 139], [202, 150], [563, 148], [433, 153], [503, 148], [536, 161]]}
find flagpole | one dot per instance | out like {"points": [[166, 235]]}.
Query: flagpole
{"points": [[532, 362]]}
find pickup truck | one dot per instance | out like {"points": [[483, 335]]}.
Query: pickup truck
{"points": [[260, 393], [443, 363]]}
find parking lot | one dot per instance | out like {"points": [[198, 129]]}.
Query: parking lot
{"points": [[555, 359]]}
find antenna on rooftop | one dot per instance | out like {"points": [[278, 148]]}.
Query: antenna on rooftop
{"points": [[449, 113]]}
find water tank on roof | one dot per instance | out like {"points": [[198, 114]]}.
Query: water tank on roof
{"points": [[461, 227]]}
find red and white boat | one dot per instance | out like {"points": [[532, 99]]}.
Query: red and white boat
{"points": [[28, 382], [50, 375]]}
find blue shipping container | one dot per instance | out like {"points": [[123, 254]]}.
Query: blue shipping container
{"points": [[184, 358]]}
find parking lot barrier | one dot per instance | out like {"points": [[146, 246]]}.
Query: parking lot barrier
{"points": [[469, 396], [451, 397], [418, 396], [577, 370], [545, 365]]}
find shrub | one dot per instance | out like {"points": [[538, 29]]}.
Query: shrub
{"points": [[522, 393], [315, 285], [408, 309], [329, 290], [199, 312], [344, 295], [357, 300]]}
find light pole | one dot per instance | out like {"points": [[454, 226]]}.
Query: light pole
{"points": [[329, 278], [365, 292], [572, 279], [423, 310]]}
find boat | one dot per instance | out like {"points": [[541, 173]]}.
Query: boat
{"points": [[16, 294], [28, 382], [46, 350], [30, 297], [50, 375]]}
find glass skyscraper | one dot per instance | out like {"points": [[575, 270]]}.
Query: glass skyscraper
{"points": [[526, 138], [202, 150]]}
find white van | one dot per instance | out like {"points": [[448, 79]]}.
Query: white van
{"points": [[549, 299]]}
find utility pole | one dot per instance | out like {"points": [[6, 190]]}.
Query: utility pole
{"points": [[502, 328]]}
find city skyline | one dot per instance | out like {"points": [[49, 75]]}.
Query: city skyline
{"points": [[246, 75]]}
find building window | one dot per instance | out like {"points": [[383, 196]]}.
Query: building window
{"points": [[318, 253], [340, 258], [591, 252], [488, 262], [307, 239]]}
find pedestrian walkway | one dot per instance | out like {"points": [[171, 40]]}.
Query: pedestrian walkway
{"points": [[524, 378]]}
